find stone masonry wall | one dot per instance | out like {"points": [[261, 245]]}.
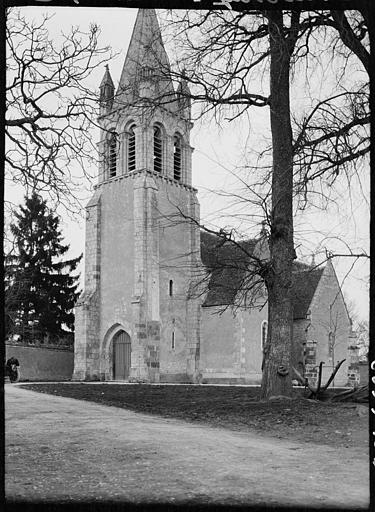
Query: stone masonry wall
{"points": [[87, 321], [39, 363], [330, 327], [117, 267], [179, 312], [145, 243], [231, 344]]}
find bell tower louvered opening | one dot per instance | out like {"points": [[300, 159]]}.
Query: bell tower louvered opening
{"points": [[177, 158], [112, 154], [131, 149], [158, 149]]}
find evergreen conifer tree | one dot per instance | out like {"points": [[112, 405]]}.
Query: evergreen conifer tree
{"points": [[40, 289]]}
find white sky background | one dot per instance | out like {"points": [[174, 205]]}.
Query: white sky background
{"points": [[218, 155]]}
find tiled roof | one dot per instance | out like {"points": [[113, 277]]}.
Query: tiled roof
{"points": [[305, 281], [228, 263]]}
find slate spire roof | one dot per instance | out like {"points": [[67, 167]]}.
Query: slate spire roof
{"points": [[107, 91], [107, 79], [146, 59]]}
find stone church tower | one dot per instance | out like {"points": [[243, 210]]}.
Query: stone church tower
{"points": [[136, 319]]}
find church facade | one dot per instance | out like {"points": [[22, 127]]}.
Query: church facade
{"points": [[154, 307]]}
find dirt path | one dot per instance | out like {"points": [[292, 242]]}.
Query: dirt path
{"points": [[69, 450]]}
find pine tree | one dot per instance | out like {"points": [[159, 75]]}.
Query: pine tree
{"points": [[40, 289]]}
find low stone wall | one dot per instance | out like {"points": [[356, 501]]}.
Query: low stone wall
{"points": [[42, 362], [353, 375]]}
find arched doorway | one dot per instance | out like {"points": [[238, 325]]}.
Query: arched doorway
{"points": [[121, 355]]}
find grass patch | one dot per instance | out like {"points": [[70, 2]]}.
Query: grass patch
{"points": [[232, 407]]}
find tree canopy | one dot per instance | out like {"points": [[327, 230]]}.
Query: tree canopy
{"points": [[40, 286]]}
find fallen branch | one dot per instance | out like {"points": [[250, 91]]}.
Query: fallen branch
{"points": [[337, 367], [359, 395], [318, 392]]}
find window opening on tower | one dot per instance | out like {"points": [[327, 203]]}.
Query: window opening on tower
{"points": [[112, 154], [177, 158], [131, 149], [158, 150]]}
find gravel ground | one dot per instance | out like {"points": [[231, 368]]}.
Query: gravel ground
{"points": [[234, 407], [70, 451]]}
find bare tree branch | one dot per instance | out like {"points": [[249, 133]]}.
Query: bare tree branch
{"points": [[49, 110]]}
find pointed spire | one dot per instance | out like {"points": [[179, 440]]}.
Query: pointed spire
{"points": [[107, 91], [107, 79], [146, 62]]}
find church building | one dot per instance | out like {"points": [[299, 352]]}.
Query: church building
{"points": [[162, 299]]}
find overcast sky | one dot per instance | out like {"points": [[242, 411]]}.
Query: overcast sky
{"points": [[218, 155]]}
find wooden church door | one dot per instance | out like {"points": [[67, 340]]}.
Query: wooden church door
{"points": [[121, 356]]}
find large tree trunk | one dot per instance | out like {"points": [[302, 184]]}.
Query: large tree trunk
{"points": [[277, 358]]}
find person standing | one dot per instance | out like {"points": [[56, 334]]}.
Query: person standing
{"points": [[12, 369]]}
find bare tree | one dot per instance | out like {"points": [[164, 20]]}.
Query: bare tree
{"points": [[50, 109], [240, 60], [332, 137]]}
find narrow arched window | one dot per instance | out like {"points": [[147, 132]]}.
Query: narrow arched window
{"points": [[177, 158], [131, 149], [264, 333], [112, 154], [173, 341], [158, 149], [170, 288]]}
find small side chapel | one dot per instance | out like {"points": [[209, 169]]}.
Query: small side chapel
{"points": [[139, 318]]}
